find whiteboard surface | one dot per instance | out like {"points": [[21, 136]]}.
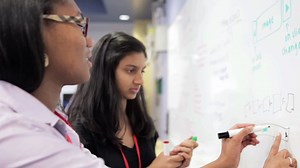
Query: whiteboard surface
{"points": [[234, 61]]}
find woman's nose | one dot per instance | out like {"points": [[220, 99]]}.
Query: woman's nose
{"points": [[139, 79], [89, 42]]}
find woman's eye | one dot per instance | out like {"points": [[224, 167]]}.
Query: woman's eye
{"points": [[130, 70]]}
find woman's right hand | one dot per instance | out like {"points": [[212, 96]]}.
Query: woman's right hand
{"points": [[232, 147], [281, 159], [163, 161]]}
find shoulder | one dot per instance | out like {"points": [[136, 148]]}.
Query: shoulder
{"points": [[11, 120], [25, 139]]}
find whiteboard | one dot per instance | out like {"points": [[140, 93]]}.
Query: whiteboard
{"points": [[234, 61]]}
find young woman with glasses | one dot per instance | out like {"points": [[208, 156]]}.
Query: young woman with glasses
{"points": [[43, 46]]}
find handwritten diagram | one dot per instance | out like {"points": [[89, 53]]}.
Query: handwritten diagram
{"points": [[271, 104], [271, 19]]}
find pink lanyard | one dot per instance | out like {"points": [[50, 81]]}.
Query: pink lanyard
{"points": [[62, 118], [137, 151], [68, 138]]}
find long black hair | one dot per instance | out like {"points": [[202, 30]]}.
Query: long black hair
{"points": [[96, 104], [21, 41]]}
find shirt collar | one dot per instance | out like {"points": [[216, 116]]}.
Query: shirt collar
{"points": [[24, 103]]}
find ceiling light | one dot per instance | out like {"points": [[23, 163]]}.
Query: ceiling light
{"points": [[124, 17]]}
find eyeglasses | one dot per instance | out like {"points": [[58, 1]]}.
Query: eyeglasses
{"points": [[81, 21]]}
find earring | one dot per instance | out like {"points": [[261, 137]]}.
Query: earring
{"points": [[46, 61]]}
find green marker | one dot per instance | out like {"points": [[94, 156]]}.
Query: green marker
{"points": [[194, 138]]}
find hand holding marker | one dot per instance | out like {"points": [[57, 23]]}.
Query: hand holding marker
{"points": [[167, 145], [230, 133]]}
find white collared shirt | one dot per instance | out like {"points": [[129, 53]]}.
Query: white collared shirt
{"points": [[28, 137]]}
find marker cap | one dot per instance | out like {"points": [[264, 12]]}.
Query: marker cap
{"points": [[223, 135], [165, 141]]}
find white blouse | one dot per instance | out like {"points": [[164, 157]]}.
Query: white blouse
{"points": [[29, 138]]}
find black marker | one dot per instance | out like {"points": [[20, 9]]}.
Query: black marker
{"points": [[230, 133]]}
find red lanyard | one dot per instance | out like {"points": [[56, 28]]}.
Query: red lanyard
{"points": [[62, 118], [68, 138], [137, 151]]}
